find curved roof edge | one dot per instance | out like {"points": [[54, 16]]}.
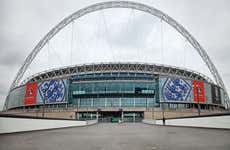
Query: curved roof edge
{"points": [[160, 69]]}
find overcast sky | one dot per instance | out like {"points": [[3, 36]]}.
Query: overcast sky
{"points": [[23, 23]]}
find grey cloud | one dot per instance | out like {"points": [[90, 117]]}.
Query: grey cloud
{"points": [[10, 56], [136, 32], [3, 90], [13, 48]]}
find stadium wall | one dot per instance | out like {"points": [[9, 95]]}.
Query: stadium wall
{"points": [[171, 89]]}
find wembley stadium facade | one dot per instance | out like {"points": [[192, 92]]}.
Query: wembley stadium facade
{"points": [[128, 91], [118, 90]]}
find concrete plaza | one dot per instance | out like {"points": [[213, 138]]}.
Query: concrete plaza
{"points": [[108, 136]]}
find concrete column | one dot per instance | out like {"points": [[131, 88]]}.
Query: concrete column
{"points": [[97, 115], [78, 105], [91, 102], [134, 117], [77, 116], [122, 115]]}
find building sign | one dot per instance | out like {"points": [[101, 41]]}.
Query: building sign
{"points": [[175, 89], [52, 91], [198, 90], [30, 95], [216, 95]]}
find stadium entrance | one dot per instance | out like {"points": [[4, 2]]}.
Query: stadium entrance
{"points": [[120, 116], [112, 116]]}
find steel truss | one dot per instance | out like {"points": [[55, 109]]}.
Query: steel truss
{"points": [[122, 4], [155, 69]]}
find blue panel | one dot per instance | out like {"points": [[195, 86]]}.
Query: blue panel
{"points": [[52, 91], [175, 89]]}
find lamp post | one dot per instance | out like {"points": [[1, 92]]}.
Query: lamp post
{"points": [[163, 113]]}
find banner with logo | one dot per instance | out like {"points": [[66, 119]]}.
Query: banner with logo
{"points": [[198, 91], [216, 95], [175, 89], [52, 91], [30, 95]]}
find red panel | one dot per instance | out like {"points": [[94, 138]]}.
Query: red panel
{"points": [[30, 96], [198, 90]]}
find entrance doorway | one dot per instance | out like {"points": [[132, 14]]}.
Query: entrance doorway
{"points": [[133, 116], [109, 116], [118, 116]]}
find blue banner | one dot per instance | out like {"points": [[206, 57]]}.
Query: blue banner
{"points": [[52, 91], [175, 89]]}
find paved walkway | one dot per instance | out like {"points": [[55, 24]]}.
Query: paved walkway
{"points": [[131, 136]]}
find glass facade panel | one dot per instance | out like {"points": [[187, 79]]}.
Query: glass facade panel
{"points": [[86, 102], [127, 102], [16, 97], [140, 102], [114, 93], [99, 102], [113, 87], [114, 102]]}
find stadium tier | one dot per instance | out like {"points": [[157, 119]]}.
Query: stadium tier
{"points": [[129, 91]]}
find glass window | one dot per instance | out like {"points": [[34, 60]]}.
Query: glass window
{"points": [[113, 87], [99, 102], [113, 102], [127, 102], [140, 102], [16, 97], [85, 102]]}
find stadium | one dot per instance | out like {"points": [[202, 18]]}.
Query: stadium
{"points": [[127, 91], [111, 91]]}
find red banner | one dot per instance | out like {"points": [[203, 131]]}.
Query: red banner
{"points": [[30, 96], [198, 90]]}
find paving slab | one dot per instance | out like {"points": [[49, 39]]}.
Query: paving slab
{"points": [[113, 136]]}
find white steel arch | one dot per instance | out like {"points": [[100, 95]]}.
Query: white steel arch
{"points": [[121, 4]]}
